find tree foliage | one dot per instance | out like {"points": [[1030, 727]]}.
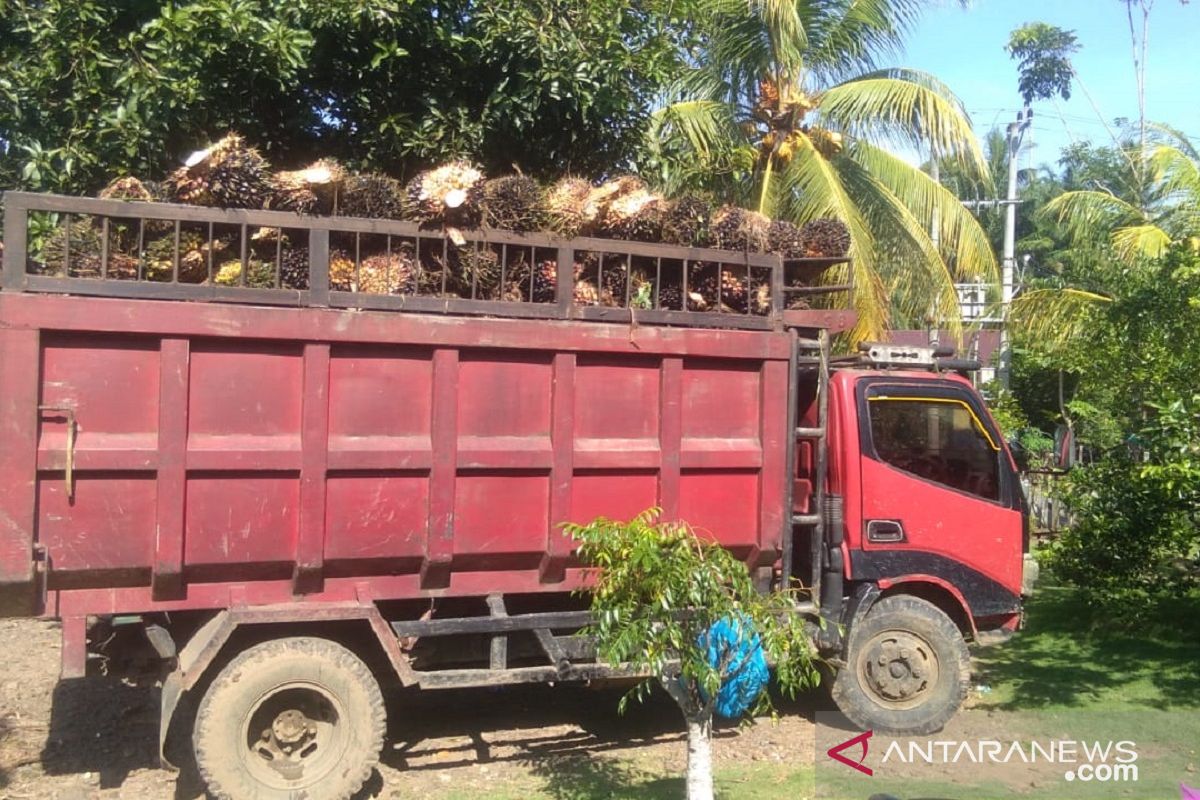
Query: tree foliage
{"points": [[1043, 53], [658, 591], [89, 88], [1136, 533], [790, 109]]}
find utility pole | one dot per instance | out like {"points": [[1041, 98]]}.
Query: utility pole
{"points": [[1016, 131]]}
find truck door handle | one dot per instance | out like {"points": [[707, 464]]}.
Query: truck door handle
{"points": [[69, 472], [885, 530]]}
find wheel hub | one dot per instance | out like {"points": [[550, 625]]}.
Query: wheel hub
{"points": [[898, 667], [293, 735]]}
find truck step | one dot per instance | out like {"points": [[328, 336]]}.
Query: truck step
{"points": [[810, 433], [805, 519]]}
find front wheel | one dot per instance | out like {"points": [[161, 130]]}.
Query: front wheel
{"points": [[907, 669], [295, 717]]}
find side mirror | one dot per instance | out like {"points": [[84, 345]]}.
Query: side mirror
{"points": [[1064, 447], [1019, 452]]}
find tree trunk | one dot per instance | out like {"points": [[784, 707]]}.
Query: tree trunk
{"points": [[699, 765]]}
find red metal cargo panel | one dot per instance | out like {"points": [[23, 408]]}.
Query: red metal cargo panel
{"points": [[236, 454]]}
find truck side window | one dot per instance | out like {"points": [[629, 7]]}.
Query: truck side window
{"points": [[938, 439]]}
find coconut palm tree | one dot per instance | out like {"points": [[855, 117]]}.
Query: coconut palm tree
{"points": [[1155, 205], [788, 110]]}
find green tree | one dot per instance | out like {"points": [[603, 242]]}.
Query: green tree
{"points": [[1136, 535], [89, 88], [788, 109], [1044, 53], [658, 592]]}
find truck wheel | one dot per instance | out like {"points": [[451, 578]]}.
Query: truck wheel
{"points": [[295, 717], [907, 669]]}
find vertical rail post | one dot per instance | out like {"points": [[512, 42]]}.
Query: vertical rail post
{"points": [[318, 267], [16, 222]]}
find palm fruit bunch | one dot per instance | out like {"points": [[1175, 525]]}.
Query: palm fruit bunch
{"points": [[79, 242], [229, 174], [514, 203], [371, 195], [736, 228], [385, 273], [451, 196], [565, 205], [259, 274], [127, 188], [829, 238], [686, 221], [293, 268], [477, 267], [599, 199], [636, 215], [701, 290], [786, 239], [539, 285], [312, 190], [193, 257]]}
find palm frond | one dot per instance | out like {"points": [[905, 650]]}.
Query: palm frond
{"points": [[1176, 173], [811, 188], [920, 283], [1085, 212], [1166, 134], [705, 125], [1140, 241], [963, 240], [1054, 317], [849, 36], [905, 108]]}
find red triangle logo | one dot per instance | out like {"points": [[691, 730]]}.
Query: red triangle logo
{"points": [[835, 752]]}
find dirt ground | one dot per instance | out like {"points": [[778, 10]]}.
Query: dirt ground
{"points": [[97, 737]]}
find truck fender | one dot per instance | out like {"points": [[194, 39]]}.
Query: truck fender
{"points": [[940, 592], [202, 649]]}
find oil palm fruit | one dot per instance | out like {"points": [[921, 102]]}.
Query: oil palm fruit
{"points": [[312, 190], [565, 206], [450, 196], [373, 196], [735, 228], [229, 174], [786, 239], [514, 203], [686, 221], [829, 238], [635, 215]]}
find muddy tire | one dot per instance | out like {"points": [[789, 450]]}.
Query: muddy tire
{"points": [[296, 717], [907, 669]]}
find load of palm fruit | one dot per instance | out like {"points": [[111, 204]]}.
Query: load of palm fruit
{"points": [[786, 239], [686, 221], [127, 188], [514, 203], [193, 257], [451, 196], [736, 228], [636, 215], [229, 174], [827, 237], [373, 196], [260, 274], [566, 204], [599, 199], [312, 190]]}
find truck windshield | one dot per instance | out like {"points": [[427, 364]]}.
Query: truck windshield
{"points": [[938, 439]]}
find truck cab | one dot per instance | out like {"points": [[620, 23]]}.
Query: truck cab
{"points": [[922, 539]]}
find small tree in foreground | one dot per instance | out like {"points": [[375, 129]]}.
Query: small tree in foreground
{"points": [[684, 611]]}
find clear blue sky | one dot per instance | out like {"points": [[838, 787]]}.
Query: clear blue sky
{"points": [[965, 48]]}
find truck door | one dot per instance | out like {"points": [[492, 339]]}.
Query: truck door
{"points": [[940, 497]]}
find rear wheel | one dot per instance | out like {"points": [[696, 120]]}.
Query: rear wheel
{"points": [[907, 668], [296, 717]]}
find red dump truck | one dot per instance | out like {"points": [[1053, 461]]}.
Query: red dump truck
{"points": [[298, 486]]}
